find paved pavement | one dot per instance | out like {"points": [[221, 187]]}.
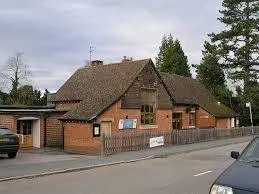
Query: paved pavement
{"points": [[36, 162], [187, 173]]}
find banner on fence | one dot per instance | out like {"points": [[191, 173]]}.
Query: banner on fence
{"points": [[156, 141], [127, 123]]}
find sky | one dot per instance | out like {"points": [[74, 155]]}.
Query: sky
{"points": [[55, 35]]}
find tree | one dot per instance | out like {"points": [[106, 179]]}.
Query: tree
{"points": [[237, 45], [44, 98], [4, 98], [171, 58], [209, 72], [211, 75], [239, 104], [16, 71], [25, 96]]}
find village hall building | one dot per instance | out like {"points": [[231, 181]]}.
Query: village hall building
{"points": [[116, 98]]}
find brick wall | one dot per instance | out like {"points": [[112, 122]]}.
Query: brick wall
{"points": [[54, 131], [8, 121], [164, 120], [115, 113], [223, 123], [79, 139], [42, 132], [66, 106], [204, 119]]}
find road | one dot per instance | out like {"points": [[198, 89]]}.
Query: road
{"points": [[188, 173]]}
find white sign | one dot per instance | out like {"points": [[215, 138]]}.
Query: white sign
{"points": [[156, 141], [248, 104]]}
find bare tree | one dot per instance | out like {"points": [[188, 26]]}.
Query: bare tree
{"points": [[15, 72]]}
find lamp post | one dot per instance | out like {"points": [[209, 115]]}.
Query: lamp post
{"points": [[248, 104]]}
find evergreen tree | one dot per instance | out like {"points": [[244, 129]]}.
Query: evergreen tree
{"points": [[209, 72], [238, 46], [171, 58], [238, 50], [44, 98], [211, 75]]}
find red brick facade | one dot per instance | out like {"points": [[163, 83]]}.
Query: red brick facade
{"points": [[8, 121], [54, 131], [53, 128], [78, 137], [205, 119], [223, 123]]}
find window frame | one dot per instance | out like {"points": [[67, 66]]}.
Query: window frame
{"points": [[192, 119], [99, 128], [148, 107], [148, 114]]}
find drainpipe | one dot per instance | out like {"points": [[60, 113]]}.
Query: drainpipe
{"points": [[63, 131]]}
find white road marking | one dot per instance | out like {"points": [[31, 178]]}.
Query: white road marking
{"points": [[203, 173]]}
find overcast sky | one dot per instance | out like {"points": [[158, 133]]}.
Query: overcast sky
{"points": [[55, 35]]}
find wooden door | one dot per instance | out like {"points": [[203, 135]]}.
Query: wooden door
{"points": [[177, 120], [24, 129], [106, 128]]}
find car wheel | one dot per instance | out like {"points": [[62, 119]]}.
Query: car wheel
{"points": [[12, 155]]}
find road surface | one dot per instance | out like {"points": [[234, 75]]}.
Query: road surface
{"points": [[189, 173]]}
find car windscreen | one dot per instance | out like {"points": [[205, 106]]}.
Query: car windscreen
{"points": [[6, 132], [252, 152]]}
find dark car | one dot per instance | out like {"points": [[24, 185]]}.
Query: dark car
{"points": [[242, 177], [9, 142]]}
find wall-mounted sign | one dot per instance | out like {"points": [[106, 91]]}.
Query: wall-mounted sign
{"points": [[156, 141], [204, 116], [127, 123]]}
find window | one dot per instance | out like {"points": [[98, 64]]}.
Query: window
{"points": [[24, 127], [148, 106], [147, 114], [96, 130], [192, 119], [177, 120]]}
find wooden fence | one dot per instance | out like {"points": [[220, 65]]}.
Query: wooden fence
{"points": [[134, 141]]}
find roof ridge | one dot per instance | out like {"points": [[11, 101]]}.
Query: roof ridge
{"points": [[118, 63], [177, 75]]}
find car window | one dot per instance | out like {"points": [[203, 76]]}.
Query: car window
{"points": [[252, 151], [5, 132]]}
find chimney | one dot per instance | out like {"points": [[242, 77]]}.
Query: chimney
{"points": [[96, 63], [125, 59]]}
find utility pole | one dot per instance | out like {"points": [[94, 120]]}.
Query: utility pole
{"points": [[248, 104], [91, 50]]}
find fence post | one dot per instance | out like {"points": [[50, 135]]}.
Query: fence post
{"points": [[172, 137], [199, 138], [177, 138], [102, 144]]}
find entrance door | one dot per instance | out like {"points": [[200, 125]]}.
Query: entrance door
{"points": [[24, 127], [106, 128], [177, 120]]}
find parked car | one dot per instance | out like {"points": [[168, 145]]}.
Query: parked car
{"points": [[9, 142], [242, 177]]}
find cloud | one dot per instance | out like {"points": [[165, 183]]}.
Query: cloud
{"points": [[55, 35]]}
